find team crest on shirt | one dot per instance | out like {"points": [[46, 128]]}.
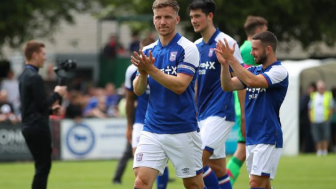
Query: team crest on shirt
{"points": [[211, 51], [139, 156], [173, 56]]}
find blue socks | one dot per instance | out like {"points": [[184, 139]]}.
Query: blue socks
{"points": [[224, 182], [161, 181], [210, 179]]}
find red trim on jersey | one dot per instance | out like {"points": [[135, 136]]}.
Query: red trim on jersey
{"points": [[266, 79]]}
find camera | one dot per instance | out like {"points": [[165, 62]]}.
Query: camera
{"points": [[66, 65]]}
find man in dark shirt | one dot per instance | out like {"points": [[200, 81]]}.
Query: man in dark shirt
{"points": [[35, 108]]}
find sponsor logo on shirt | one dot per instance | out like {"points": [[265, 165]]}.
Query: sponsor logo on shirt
{"points": [[255, 92], [206, 66], [170, 70], [173, 56]]}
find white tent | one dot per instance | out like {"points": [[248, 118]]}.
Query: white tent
{"points": [[301, 73]]}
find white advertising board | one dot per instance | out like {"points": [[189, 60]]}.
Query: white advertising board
{"points": [[93, 139]]}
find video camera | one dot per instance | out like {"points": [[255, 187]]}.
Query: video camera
{"points": [[64, 65]]}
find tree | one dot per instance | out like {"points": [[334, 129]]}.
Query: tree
{"points": [[306, 21], [23, 20]]}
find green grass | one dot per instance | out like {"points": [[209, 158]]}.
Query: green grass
{"points": [[299, 172]]}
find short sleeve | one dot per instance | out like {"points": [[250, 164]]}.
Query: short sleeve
{"points": [[129, 77], [275, 76], [190, 60]]}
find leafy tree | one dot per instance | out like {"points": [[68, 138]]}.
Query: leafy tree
{"points": [[22, 20], [306, 21]]}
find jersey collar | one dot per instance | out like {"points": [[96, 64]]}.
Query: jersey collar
{"points": [[213, 37], [173, 41], [273, 64], [29, 66]]}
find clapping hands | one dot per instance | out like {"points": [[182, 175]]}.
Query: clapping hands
{"points": [[142, 62], [224, 52]]}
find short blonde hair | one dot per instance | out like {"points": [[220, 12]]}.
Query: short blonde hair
{"points": [[166, 3]]}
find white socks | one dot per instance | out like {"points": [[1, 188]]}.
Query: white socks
{"points": [[322, 152]]}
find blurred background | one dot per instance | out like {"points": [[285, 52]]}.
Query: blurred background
{"points": [[99, 33]]}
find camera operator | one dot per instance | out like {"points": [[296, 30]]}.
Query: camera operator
{"points": [[35, 108]]}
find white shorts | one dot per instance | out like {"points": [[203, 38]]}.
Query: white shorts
{"points": [[137, 128], [184, 151], [262, 160], [214, 132]]}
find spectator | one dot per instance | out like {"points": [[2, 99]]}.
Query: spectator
{"points": [[74, 109], [305, 137], [110, 49], [11, 86], [6, 109], [112, 100], [122, 101], [135, 44], [333, 123], [321, 107], [93, 101], [122, 51], [100, 111]]}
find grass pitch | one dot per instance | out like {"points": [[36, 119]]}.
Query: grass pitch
{"points": [[297, 172]]}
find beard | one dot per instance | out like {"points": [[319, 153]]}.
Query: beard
{"points": [[262, 58]]}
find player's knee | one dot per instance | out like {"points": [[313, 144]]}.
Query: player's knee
{"points": [[194, 182], [243, 154], [219, 170], [255, 183], [140, 183]]}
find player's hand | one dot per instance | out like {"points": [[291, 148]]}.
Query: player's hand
{"points": [[135, 61], [143, 62], [142, 72], [56, 108], [224, 50], [61, 90], [220, 58]]}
